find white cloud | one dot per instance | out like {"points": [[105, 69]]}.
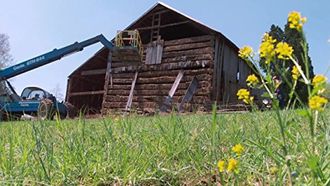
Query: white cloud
{"points": [[328, 40]]}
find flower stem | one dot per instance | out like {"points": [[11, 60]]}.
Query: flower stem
{"points": [[314, 129], [300, 71], [291, 94], [264, 84]]}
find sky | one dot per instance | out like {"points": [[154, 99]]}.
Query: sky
{"points": [[38, 26]]}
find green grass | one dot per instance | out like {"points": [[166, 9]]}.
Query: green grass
{"points": [[161, 150]]}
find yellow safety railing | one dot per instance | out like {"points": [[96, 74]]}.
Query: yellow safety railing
{"points": [[129, 38]]}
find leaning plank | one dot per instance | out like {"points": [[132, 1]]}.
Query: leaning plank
{"points": [[168, 99], [129, 101], [176, 84], [189, 93]]}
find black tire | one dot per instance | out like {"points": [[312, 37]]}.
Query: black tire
{"points": [[3, 116], [72, 111], [45, 110], [63, 115]]}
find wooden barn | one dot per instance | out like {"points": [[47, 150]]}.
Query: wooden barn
{"points": [[182, 64]]}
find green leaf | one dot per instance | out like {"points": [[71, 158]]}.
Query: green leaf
{"points": [[312, 163], [302, 112]]}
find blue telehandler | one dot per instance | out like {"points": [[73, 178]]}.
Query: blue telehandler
{"points": [[34, 100]]}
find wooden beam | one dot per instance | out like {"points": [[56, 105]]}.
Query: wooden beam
{"points": [[162, 11], [107, 78], [176, 84], [168, 99], [68, 90], [196, 39], [86, 93], [165, 66], [130, 97], [189, 93], [93, 72], [163, 26]]}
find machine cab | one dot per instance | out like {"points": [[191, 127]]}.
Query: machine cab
{"points": [[34, 93]]}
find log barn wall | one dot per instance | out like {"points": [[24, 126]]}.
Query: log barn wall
{"points": [[103, 83], [193, 56]]}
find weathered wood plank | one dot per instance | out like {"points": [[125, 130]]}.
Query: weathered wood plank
{"points": [[121, 105], [163, 26], [122, 81], [154, 86], [160, 80], [188, 40], [107, 78], [114, 102], [201, 91], [158, 73], [126, 58], [149, 53], [129, 101], [165, 66], [87, 93], [176, 84], [93, 72], [188, 46], [189, 94], [159, 51], [112, 98], [192, 57], [125, 63], [205, 50]]}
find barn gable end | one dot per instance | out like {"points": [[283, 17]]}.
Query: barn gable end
{"points": [[179, 53]]}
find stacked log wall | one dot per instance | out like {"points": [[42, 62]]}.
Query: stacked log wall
{"points": [[194, 56]]}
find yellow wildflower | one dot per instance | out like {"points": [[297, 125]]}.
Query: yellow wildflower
{"points": [[317, 103], [295, 73], [266, 49], [116, 119], [296, 21], [283, 50], [319, 80], [245, 52], [221, 165], [244, 95], [238, 149], [273, 170], [252, 80], [232, 165]]}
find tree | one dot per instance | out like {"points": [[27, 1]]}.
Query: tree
{"points": [[5, 57], [282, 68], [57, 92]]}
